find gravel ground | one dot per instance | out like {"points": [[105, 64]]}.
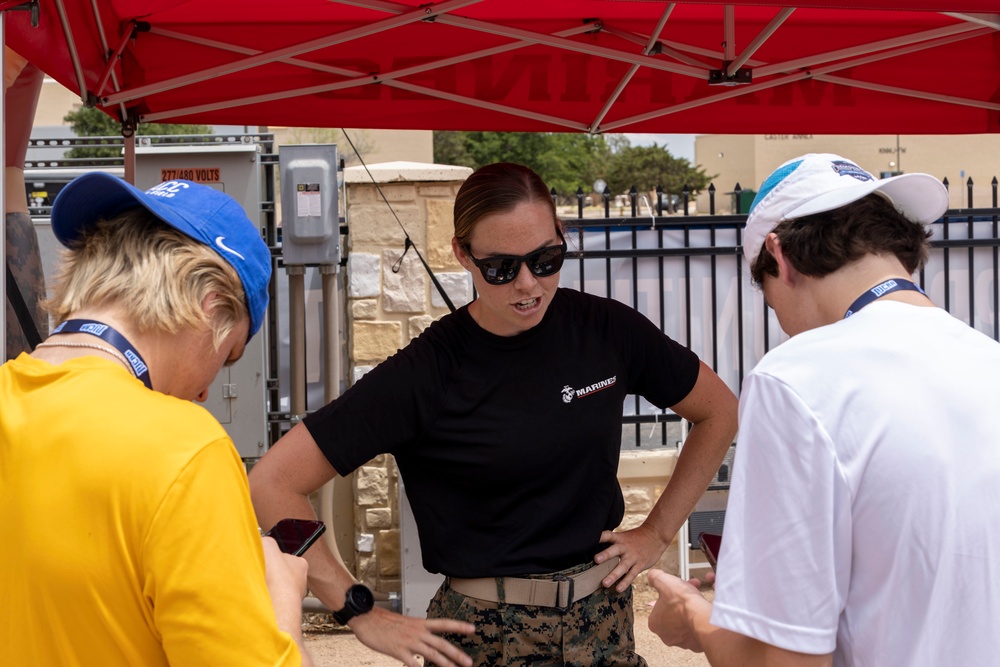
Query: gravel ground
{"points": [[332, 645]]}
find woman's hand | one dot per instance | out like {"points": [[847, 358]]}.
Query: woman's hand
{"points": [[405, 637], [639, 550]]}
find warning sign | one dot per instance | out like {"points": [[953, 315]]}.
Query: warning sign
{"points": [[308, 200], [196, 174]]}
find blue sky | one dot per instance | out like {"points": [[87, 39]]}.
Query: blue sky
{"points": [[679, 145]]}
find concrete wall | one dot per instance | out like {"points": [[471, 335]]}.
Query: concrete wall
{"points": [[386, 310]]}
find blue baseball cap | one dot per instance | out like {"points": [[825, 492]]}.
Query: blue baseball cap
{"points": [[205, 214]]}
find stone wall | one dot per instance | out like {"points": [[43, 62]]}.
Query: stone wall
{"points": [[390, 300]]}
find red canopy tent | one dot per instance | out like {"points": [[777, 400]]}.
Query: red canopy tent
{"points": [[812, 66], [748, 66]]}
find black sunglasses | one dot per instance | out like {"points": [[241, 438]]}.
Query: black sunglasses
{"points": [[501, 269]]}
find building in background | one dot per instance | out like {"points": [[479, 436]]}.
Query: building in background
{"points": [[749, 159]]}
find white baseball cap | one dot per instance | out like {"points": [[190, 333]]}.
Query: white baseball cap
{"points": [[820, 182]]}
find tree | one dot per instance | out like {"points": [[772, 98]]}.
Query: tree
{"points": [[565, 161], [449, 148], [647, 167], [568, 161], [92, 122]]}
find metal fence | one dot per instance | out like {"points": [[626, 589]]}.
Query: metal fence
{"points": [[686, 273]]}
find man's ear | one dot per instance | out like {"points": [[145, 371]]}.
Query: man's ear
{"points": [[786, 272]]}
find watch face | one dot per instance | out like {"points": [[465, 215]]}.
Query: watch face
{"points": [[361, 598]]}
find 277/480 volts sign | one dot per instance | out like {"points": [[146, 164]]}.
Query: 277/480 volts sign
{"points": [[198, 175]]}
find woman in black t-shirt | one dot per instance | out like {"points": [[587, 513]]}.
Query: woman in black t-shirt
{"points": [[505, 421]]}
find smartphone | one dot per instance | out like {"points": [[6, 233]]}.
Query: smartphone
{"points": [[294, 536], [710, 543]]}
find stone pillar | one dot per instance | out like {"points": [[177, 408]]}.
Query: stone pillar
{"points": [[390, 300]]}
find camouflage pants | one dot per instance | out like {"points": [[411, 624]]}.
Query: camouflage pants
{"points": [[594, 632]]}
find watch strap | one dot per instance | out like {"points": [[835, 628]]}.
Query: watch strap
{"points": [[351, 608], [344, 615]]}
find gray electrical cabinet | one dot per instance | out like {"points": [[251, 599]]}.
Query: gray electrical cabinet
{"points": [[238, 396]]}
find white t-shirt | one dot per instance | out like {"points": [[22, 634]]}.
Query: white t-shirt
{"points": [[864, 513]]}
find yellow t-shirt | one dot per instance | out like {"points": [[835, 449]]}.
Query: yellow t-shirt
{"points": [[127, 532]]}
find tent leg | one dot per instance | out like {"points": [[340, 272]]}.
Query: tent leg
{"points": [[129, 126], [130, 158], [3, 187]]}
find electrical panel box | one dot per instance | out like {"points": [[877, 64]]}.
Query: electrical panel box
{"points": [[310, 195], [238, 395]]}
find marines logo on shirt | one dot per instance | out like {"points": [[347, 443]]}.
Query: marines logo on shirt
{"points": [[568, 393]]}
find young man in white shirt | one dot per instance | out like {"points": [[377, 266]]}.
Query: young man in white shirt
{"points": [[863, 525]]}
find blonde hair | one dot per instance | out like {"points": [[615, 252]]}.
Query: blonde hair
{"points": [[156, 275]]}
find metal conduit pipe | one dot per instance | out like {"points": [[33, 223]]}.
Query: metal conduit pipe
{"points": [[340, 532], [331, 327], [297, 391], [297, 341]]}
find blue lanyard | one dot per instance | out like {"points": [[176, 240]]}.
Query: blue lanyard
{"points": [[880, 290], [112, 337]]}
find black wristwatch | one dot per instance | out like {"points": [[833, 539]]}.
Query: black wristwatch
{"points": [[359, 601]]}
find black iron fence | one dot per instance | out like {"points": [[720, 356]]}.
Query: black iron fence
{"points": [[687, 274], [683, 271]]}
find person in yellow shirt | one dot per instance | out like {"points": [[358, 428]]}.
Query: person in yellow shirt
{"points": [[129, 536]]}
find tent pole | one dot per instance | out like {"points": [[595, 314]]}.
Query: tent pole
{"points": [[71, 47], [130, 158], [130, 125], [3, 186]]}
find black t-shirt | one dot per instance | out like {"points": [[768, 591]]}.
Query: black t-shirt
{"points": [[509, 446]]}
